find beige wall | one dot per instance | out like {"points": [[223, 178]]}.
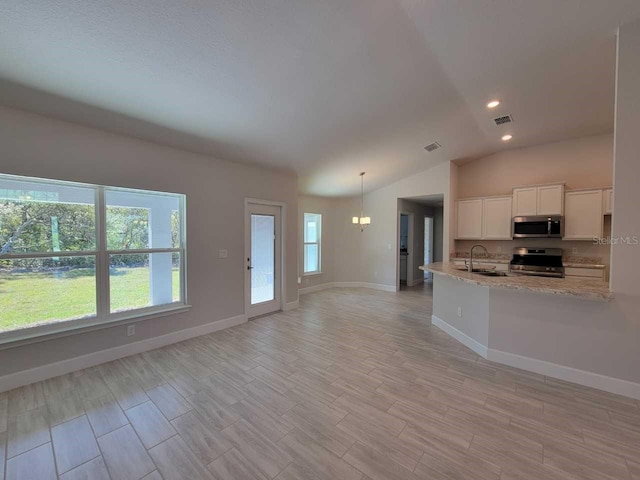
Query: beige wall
{"points": [[581, 163], [376, 262], [33, 145]]}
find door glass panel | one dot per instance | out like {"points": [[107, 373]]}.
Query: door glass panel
{"points": [[262, 258]]}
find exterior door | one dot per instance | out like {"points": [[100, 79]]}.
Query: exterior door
{"points": [[263, 254]]}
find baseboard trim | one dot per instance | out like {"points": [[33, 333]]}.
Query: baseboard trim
{"points": [[542, 367], [291, 305], [374, 286], [462, 337], [568, 374], [328, 285], [415, 282], [315, 288], [37, 374]]}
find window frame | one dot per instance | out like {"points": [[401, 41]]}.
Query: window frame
{"points": [[305, 243], [103, 317]]}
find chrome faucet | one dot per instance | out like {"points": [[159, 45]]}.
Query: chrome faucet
{"points": [[486, 252]]}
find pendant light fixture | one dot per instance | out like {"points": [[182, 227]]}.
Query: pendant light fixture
{"points": [[362, 221]]}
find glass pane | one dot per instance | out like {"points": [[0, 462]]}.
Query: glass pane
{"points": [[262, 258], [142, 220], [312, 227], [145, 280], [37, 291], [311, 258], [42, 217]]}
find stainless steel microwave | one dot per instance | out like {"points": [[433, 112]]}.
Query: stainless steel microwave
{"points": [[538, 227]]}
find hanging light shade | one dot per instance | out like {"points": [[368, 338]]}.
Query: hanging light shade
{"points": [[361, 221]]}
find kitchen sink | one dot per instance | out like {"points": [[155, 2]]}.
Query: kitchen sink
{"points": [[493, 273]]}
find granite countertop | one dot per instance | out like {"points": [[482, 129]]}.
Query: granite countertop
{"points": [[587, 288], [570, 261]]}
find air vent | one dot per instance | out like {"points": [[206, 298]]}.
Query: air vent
{"points": [[432, 146], [502, 120]]}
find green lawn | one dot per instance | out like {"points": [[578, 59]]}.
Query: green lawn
{"points": [[31, 298]]}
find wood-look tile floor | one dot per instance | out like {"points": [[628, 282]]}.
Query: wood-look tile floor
{"points": [[355, 384]]}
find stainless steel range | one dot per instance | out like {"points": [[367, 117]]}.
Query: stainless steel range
{"points": [[545, 262]]}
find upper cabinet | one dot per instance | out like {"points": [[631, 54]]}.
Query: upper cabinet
{"points": [[607, 201], [469, 219], [583, 215], [542, 200], [550, 200], [525, 201], [496, 218], [484, 219]]}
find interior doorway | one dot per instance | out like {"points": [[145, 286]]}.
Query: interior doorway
{"points": [[428, 245], [405, 250]]}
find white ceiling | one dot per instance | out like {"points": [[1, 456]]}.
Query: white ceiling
{"points": [[326, 88]]}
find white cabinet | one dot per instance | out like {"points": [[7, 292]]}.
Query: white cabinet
{"points": [[583, 217], [484, 219], [550, 200], [469, 219], [496, 218], [525, 201], [542, 200], [607, 199]]}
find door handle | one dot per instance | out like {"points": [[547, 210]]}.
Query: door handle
{"points": [[249, 268]]}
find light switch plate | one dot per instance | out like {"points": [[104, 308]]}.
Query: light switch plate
{"points": [[223, 253]]}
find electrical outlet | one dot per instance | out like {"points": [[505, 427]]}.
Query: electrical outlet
{"points": [[223, 253], [131, 330], [460, 312], [499, 249], [299, 280], [574, 251]]}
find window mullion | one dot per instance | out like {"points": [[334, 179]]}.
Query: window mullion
{"points": [[102, 260]]}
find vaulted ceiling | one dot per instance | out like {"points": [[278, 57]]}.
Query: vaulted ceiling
{"points": [[327, 88]]}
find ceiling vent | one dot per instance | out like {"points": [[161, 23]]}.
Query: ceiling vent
{"points": [[502, 120], [432, 146]]}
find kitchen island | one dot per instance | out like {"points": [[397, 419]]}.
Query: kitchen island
{"points": [[540, 324], [586, 288]]}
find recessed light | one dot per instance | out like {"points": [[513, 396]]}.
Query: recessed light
{"points": [[493, 103], [507, 137]]}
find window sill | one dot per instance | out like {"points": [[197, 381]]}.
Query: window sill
{"points": [[311, 274], [42, 333]]}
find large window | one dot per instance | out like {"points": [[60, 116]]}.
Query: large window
{"points": [[312, 243], [73, 255]]}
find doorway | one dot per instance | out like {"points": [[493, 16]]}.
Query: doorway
{"points": [[263, 253], [428, 244], [405, 251]]}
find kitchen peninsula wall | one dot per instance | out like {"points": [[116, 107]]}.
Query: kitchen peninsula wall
{"points": [[585, 162]]}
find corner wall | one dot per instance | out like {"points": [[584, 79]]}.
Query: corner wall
{"points": [[37, 146]]}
